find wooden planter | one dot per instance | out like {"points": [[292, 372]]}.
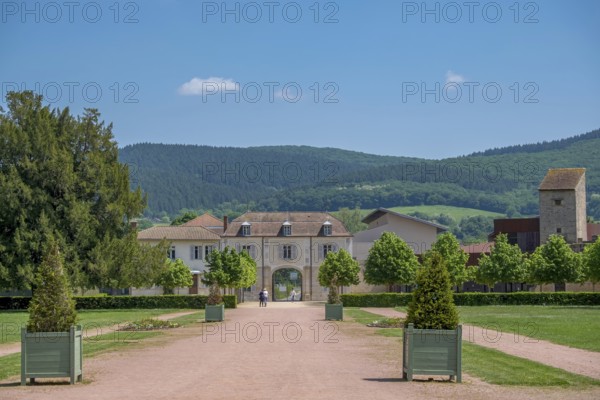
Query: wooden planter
{"points": [[334, 312], [432, 352], [214, 313], [51, 355]]}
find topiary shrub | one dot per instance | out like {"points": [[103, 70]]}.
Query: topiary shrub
{"points": [[52, 308], [432, 305]]}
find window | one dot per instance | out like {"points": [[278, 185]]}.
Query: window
{"points": [[327, 228], [326, 249], [287, 252], [196, 252], [208, 249], [246, 229], [558, 230], [171, 253], [287, 230], [248, 248], [558, 202]]}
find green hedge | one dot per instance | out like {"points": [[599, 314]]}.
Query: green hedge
{"points": [[478, 299], [123, 302]]}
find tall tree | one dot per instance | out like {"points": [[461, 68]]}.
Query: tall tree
{"points": [[352, 219], [59, 173], [176, 275], [455, 258], [390, 261], [506, 263], [591, 262], [338, 269], [554, 262]]}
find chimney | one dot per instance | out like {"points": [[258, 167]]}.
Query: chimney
{"points": [[224, 223]]}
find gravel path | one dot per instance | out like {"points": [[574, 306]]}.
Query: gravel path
{"points": [[570, 359], [12, 348], [281, 351]]}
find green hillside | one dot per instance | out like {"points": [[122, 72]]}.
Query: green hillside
{"points": [[456, 213], [232, 180]]}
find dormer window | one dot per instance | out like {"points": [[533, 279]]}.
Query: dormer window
{"points": [[246, 231], [327, 228], [287, 229]]}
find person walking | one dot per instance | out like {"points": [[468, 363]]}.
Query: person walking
{"points": [[265, 296], [293, 295], [261, 298]]}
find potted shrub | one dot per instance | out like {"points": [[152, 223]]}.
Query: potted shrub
{"points": [[338, 269], [51, 346], [432, 337], [216, 277]]}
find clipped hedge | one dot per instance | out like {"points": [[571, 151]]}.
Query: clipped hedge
{"points": [[478, 299], [124, 302]]}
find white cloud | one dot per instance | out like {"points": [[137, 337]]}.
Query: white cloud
{"points": [[453, 77], [200, 86]]}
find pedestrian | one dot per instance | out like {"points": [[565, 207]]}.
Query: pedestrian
{"points": [[266, 296], [261, 298], [293, 295]]}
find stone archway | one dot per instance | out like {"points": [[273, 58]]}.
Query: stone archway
{"points": [[284, 281]]}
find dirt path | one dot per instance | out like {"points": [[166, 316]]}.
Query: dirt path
{"points": [[281, 351], [568, 358], [12, 348]]}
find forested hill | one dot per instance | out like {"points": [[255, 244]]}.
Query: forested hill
{"points": [[226, 179]]}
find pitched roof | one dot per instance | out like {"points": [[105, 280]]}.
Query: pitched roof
{"points": [[271, 223], [177, 233], [381, 211], [562, 179], [206, 220]]}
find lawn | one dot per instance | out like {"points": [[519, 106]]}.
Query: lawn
{"points": [[12, 321], [11, 365], [491, 365]]}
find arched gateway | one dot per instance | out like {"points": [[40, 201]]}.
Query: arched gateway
{"points": [[285, 281]]}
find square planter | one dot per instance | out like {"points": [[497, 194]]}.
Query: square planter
{"points": [[214, 313], [51, 355], [334, 312], [432, 352]]}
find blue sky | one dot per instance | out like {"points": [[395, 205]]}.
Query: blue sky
{"points": [[433, 79]]}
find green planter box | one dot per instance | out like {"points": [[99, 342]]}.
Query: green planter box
{"points": [[334, 312], [214, 313], [432, 352], [51, 355]]}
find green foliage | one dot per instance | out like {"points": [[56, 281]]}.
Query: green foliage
{"points": [[59, 173], [183, 218], [593, 208], [474, 229], [52, 308], [448, 247], [591, 262], [476, 299], [228, 269], [338, 269], [506, 263], [432, 305], [390, 261], [554, 262], [352, 219], [249, 271], [176, 275]]}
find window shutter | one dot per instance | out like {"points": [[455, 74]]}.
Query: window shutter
{"points": [[191, 252], [253, 251], [320, 252], [200, 252], [334, 247], [294, 252], [280, 251], [237, 247]]}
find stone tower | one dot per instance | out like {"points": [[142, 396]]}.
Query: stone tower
{"points": [[562, 204]]}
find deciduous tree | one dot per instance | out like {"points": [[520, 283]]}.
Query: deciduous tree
{"points": [[338, 269], [390, 261]]}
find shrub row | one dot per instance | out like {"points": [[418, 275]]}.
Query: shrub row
{"points": [[123, 302], [478, 299]]}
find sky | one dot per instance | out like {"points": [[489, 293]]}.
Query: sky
{"points": [[430, 79]]}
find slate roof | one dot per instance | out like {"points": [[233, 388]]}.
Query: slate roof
{"points": [[270, 224], [562, 179], [177, 233]]}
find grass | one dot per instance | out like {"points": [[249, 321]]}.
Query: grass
{"points": [[12, 321], [494, 366], [567, 325]]}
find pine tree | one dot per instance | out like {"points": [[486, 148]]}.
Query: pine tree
{"points": [[52, 308], [432, 305]]}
